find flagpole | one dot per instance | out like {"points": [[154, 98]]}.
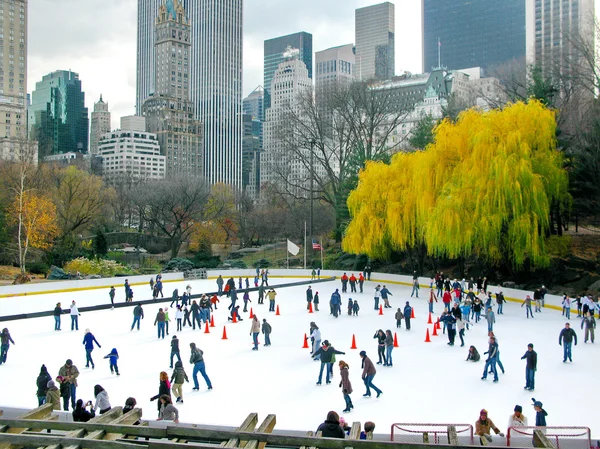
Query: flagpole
{"points": [[287, 255], [322, 267], [305, 244]]}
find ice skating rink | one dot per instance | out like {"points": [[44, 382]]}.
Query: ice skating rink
{"points": [[429, 382]]}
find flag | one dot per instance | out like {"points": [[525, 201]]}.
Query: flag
{"points": [[316, 245], [292, 248]]}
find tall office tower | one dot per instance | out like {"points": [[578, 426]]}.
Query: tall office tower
{"points": [[274, 50], [552, 28], [279, 165], [334, 66], [375, 28], [253, 103], [58, 118], [169, 112], [147, 12], [13, 78], [252, 143], [458, 34], [100, 124]]}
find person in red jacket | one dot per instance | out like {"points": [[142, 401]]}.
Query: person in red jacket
{"points": [[353, 283], [344, 283], [214, 300], [447, 299], [361, 281]]}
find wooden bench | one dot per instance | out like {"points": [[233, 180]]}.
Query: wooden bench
{"points": [[41, 412]]}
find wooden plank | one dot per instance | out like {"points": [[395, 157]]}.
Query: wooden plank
{"points": [[140, 431], [266, 426], [42, 412], [425, 438], [310, 433], [452, 436], [319, 434], [50, 439], [369, 435], [247, 426], [355, 431], [541, 440]]}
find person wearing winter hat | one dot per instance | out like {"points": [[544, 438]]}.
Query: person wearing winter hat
{"points": [[483, 427], [70, 373], [53, 395], [368, 374], [42, 384], [517, 419], [407, 315], [540, 413], [326, 353]]}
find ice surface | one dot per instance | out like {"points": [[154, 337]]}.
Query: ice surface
{"points": [[429, 382]]}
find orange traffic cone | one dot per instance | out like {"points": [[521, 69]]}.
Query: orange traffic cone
{"points": [[395, 340], [224, 337], [251, 313], [234, 318], [305, 345], [310, 310], [380, 310], [212, 321], [206, 329], [435, 334], [353, 342], [412, 312], [438, 325], [427, 339], [429, 319], [277, 311]]}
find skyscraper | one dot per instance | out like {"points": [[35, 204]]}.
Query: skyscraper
{"points": [[274, 49], [100, 124], [467, 33], [375, 28], [169, 112], [333, 66], [252, 145], [58, 118]]}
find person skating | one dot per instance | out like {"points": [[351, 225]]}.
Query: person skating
{"points": [[175, 349], [368, 374], [164, 387], [113, 356], [177, 378], [81, 414], [380, 336], [566, 336], [315, 338], [5, 341], [175, 298], [266, 330], [127, 288], [540, 413], [407, 315], [179, 318], [102, 401], [213, 301], [261, 294], [530, 368], [205, 308], [447, 300], [361, 281], [460, 327], [326, 353], [111, 294], [197, 359], [331, 427], [491, 360], [449, 321], [316, 301], [186, 317], [167, 411], [160, 321], [517, 419], [138, 314], [500, 301], [335, 303], [527, 304], [254, 331], [195, 312], [350, 306], [345, 385], [484, 426], [432, 297], [167, 320], [88, 343], [566, 304], [589, 323], [537, 300], [498, 361], [399, 317], [355, 308], [473, 355], [57, 313], [490, 318], [52, 395], [313, 274], [578, 302], [477, 309], [389, 347], [415, 288], [309, 297], [352, 281], [271, 294], [220, 283], [384, 296], [235, 312], [344, 280], [240, 287], [69, 373], [376, 297], [74, 312], [42, 384], [246, 299]]}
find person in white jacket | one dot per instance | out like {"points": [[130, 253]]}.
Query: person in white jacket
{"points": [[315, 336], [102, 401], [517, 419], [74, 317], [179, 318]]}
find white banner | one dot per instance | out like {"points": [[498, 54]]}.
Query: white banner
{"points": [[292, 248]]}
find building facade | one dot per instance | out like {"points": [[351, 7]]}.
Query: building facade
{"points": [[100, 124], [252, 144], [458, 34], [375, 28], [274, 50], [333, 66], [169, 112], [58, 118]]}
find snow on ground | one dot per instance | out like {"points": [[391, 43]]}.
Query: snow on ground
{"points": [[429, 382]]}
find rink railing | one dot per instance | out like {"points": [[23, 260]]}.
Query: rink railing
{"points": [[561, 437], [449, 433]]}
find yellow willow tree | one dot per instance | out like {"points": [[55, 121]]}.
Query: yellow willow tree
{"points": [[484, 187]]}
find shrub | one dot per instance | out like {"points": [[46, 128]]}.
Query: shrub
{"points": [[102, 267], [37, 268], [206, 260], [179, 264], [261, 263], [237, 263]]}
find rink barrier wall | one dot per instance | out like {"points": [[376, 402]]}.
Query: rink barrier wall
{"points": [[135, 302], [512, 295]]}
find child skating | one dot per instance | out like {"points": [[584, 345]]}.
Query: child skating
{"points": [[113, 357]]}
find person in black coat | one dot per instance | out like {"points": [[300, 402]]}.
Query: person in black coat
{"points": [[80, 414], [531, 367], [164, 388], [42, 384], [331, 427]]}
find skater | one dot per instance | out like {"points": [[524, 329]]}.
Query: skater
{"points": [[175, 349], [246, 299], [138, 314], [407, 315], [167, 320], [313, 274], [111, 294], [158, 286], [473, 355], [167, 411], [5, 341], [361, 281], [432, 297], [254, 331], [197, 359], [266, 330], [483, 427], [69, 374], [205, 308], [491, 360], [220, 283], [81, 414], [490, 318], [331, 428], [540, 413], [233, 297], [186, 317], [380, 336], [447, 300], [460, 327], [326, 352], [195, 311], [102, 402], [498, 361], [88, 342], [177, 378], [164, 387], [113, 356], [449, 321], [316, 301], [271, 294], [52, 395], [384, 295], [389, 347], [352, 281], [530, 368], [160, 321], [350, 306], [355, 308], [477, 305], [537, 299], [589, 323], [567, 335], [517, 419], [179, 318], [566, 305], [127, 288], [57, 313], [335, 303], [345, 385], [500, 301], [175, 298], [74, 316], [151, 284], [527, 304], [376, 297], [344, 280], [188, 290], [240, 283], [213, 301], [309, 297], [315, 338], [247, 282], [42, 385], [415, 288], [235, 312], [261, 295], [368, 374], [399, 317]]}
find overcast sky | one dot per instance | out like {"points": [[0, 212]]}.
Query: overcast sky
{"points": [[97, 39]]}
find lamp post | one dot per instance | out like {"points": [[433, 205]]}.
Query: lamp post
{"points": [[311, 143]]}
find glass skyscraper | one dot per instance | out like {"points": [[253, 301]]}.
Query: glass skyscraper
{"points": [[274, 49], [58, 118], [472, 33], [375, 29]]}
